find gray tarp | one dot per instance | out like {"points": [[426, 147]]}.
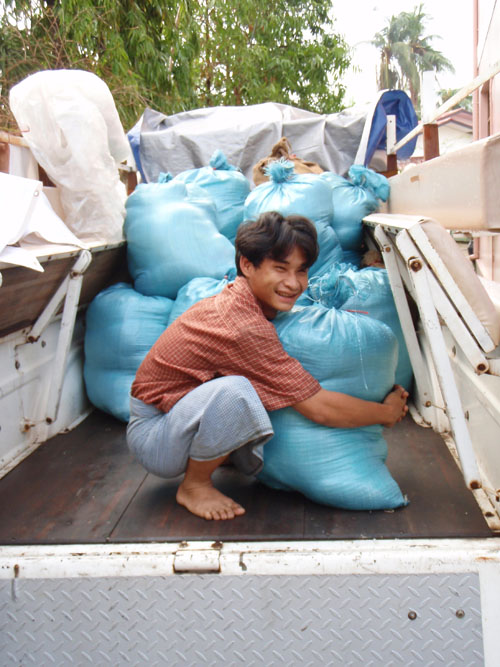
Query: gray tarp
{"points": [[187, 140]]}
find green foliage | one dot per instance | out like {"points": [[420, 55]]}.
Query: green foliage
{"points": [[130, 45], [175, 55], [284, 51], [446, 93], [406, 52]]}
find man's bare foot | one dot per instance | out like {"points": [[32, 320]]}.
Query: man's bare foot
{"points": [[204, 500]]}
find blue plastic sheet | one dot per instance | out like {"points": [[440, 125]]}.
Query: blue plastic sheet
{"points": [[343, 468], [172, 237], [134, 138], [228, 188], [392, 103], [121, 327]]}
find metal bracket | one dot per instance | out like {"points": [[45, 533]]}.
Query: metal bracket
{"points": [[422, 285], [69, 291], [417, 361]]}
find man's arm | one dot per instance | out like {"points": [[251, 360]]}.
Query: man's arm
{"points": [[331, 408]]}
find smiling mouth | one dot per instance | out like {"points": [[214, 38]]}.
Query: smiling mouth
{"points": [[287, 296]]}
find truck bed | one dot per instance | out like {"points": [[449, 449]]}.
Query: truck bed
{"points": [[84, 487]]}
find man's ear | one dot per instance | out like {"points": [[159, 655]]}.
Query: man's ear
{"points": [[246, 266]]}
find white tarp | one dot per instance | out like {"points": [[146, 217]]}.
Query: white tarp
{"points": [[28, 217], [70, 122]]}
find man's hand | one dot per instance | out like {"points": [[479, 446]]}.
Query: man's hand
{"points": [[396, 401], [331, 408]]}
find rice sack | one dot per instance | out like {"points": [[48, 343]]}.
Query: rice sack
{"points": [[352, 200], [172, 237], [122, 325], [228, 188], [344, 468], [298, 194], [367, 292]]}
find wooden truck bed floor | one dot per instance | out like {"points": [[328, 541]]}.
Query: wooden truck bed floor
{"points": [[84, 487]]}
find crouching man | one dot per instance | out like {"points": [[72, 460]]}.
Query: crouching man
{"points": [[203, 393]]}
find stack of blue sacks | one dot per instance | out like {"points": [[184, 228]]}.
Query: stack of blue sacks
{"points": [[344, 330]]}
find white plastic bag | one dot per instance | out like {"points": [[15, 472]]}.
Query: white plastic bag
{"points": [[69, 119]]}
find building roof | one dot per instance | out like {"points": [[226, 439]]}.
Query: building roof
{"points": [[460, 119]]}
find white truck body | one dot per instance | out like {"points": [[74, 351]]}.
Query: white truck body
{"points": [[267, 602], [393, 601]]}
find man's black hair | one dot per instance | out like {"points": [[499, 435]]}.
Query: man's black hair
{"points": [[274, 236]]}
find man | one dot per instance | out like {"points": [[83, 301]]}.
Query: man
{"points": [[202, 394]]}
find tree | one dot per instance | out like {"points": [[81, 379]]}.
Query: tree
{"points": [[406, 52], [282, 50], [446, 93], [175, 55], [135, 47]]}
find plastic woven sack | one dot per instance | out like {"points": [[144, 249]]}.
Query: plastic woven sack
{"points": [[352, 200], [228, 188], [172, 238], [291, 194], [121, 327], [298, 194], [369, 293], [196, 290], [343, 468]]}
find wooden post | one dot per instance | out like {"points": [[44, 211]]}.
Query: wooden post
{"points": [[4, 157], [131, 181], [5, 140], [431, 141], [392, 165]]}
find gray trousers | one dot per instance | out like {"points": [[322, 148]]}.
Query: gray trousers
{"points": [[220, 417]]}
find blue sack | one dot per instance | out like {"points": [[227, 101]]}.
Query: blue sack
{"points": [[373, 295], [228, 188], [298, 194], [340, 467], [121, 327], [172, 237], [196, 290], [291, 194], [352, 200], [367, 292]]}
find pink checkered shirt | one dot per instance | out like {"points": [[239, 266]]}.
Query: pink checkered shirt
{"points": [[226, 334]]}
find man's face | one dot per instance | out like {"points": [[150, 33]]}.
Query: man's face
{"points": [[277, 284]]}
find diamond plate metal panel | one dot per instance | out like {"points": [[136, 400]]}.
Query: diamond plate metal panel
{"points": [[243, 620]]}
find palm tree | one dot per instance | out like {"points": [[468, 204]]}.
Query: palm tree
{"points": [[406, 52]]}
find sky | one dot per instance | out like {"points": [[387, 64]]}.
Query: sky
{"points": [[359, 20]]}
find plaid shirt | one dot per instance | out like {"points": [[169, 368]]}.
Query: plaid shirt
{"points": [[226, 334]]}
